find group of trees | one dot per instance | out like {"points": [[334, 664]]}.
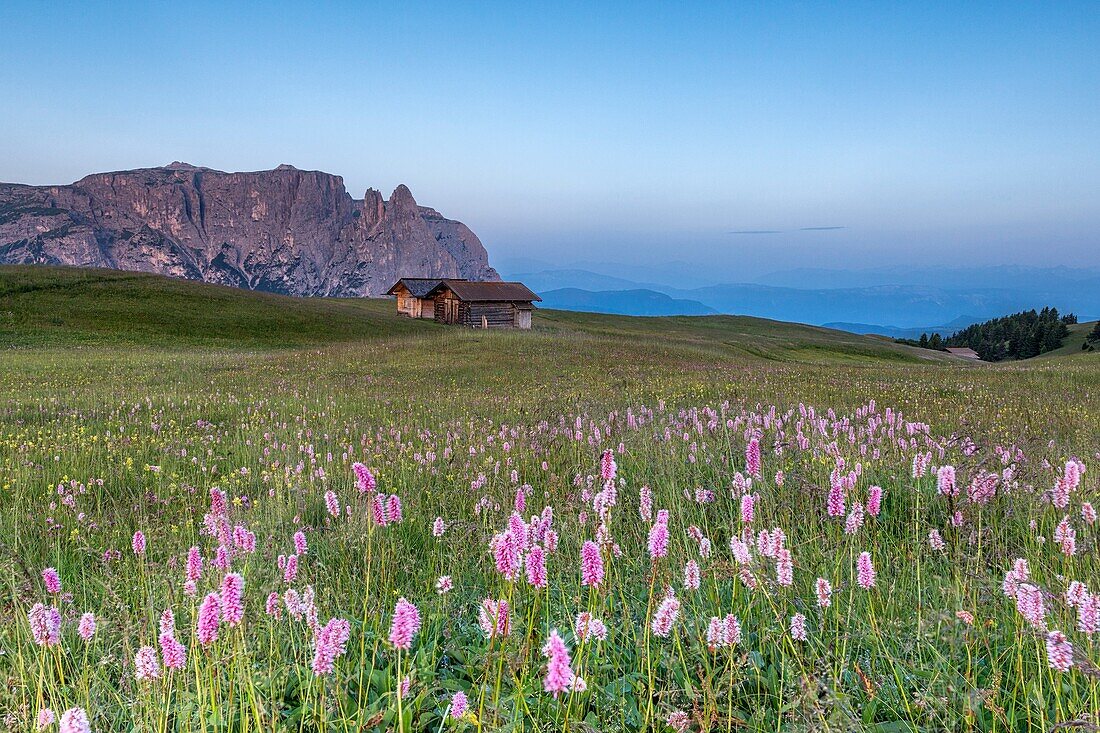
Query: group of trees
{"points": [[1092, 341], [1019, 336]]}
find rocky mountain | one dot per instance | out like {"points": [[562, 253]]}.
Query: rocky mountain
{"points": [[284, 230]]}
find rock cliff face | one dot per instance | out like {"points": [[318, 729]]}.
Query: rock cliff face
{"points": [[285, 230]]}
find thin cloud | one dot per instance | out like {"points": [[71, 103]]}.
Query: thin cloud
{"points": [[820, 229]]}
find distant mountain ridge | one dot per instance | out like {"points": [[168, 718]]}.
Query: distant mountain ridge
{"points": [[638, 302], [285, 230], [869, 308]]}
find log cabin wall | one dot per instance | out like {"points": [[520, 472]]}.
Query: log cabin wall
{"points": [[491, 314]]}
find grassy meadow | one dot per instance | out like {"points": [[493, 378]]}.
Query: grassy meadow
{"points": [[605, 524]]}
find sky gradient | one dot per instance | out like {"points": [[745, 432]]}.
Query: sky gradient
{"points": [[633, 132]]}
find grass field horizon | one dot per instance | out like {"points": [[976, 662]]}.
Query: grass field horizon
{"points": [[674, 523]]}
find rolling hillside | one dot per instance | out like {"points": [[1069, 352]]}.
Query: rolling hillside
{"points": [[56, 306], [1072, 345]]}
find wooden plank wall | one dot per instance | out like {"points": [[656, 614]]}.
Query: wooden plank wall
{"points": [[491, 315]]}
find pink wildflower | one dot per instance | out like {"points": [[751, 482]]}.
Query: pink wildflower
{"points": [[645, 503], [87, 626], [146, 666], [586, 626], [438, 527], [866, 577], [733, 630], [1029, 602], [271, 607], [740, 551], [747, 502], [138, 543], [232, 598], [798, 627], [835, 503], [784, 568], [45, 718], [1059, 652], [854, 520], [506, 553], [666, 615], [378, 509], [300, 545], [1088, 615], [591, 564], [459, 705], [172, 652], [559, 674], [52, 581], [332, 503], [1066, 537], [444, 585], [935, 540], [1076, 593], [716, 634], [206, 628], [406, 622], [494, 618], [74, 720], [329, 643], [536, 567], [945, 481], [364, 479], [608, 469], [824, 590], [658, 540], [167, 622], [691, 575], [194, 564], [290, 571], [874, 500], [45, 623], [679, 721], [393, 509], [752, 457]]}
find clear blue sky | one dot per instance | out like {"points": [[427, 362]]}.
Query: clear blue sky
{"points": [[932, 132]]}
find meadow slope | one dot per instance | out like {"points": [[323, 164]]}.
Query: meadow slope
{"points": [[712, 523]]}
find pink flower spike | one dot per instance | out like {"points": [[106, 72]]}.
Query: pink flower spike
{"points": [[87, 626], [406, 622], [232, 599], [74, 720], [206, 628], [591, 564], [866, 577], [52, 581], [559, 673], [459, 705]]}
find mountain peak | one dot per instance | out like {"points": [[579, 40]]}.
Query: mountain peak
{"points": [[249, 230]]}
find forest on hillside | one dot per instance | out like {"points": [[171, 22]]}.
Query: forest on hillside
{"points": [[1018, 336]]}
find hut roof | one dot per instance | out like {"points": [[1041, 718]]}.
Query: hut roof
{"points": [[963, 351], [487, 291], [418, 286]]}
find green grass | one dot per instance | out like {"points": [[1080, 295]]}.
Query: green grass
{"points": [[126, 398], [52, 306], [1073, 343], [42, 306]]}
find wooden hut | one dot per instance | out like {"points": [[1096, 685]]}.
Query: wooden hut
{"points": [[483, 304], [412, 296]]}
